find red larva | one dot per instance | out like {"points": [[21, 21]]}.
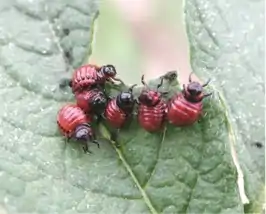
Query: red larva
{"points": [[185, 108], [73, 123], [92, 101], [90, 75], [119, 109], [151, 111]]}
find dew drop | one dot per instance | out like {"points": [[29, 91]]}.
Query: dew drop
{"points": [[228, 44], [245, 32], [44, 51], [6, 199], [223, 83], [251, 27], [260, 39], [227, 5], [210, 46], [205, 6], [237, 46], [246, 18], [11, 45], [211, 19]]}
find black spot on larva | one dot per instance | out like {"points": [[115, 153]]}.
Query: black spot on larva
{"points": [[258, 144], [66, 31]]}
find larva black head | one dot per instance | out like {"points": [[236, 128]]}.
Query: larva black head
{"points": [[194, 89], [108, 71], [126, 101], [150, 97], [193, 92], [83, 133], [98, 103]]}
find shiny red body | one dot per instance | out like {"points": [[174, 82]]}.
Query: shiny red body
{"points": [[114, 115], [69, 117], [85, 99], [152, 118], [86, 76], [181, 112]]}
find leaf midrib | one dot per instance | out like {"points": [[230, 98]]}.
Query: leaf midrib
{"points": [[133, 176]]}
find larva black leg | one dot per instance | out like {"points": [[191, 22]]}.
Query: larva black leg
{"points": [[98, 119], [205, 84], [160, 84], [96, 142], [67, 140], [114, 136], [103, 116], [86, 149], [201, 117], [165, 92], [207, 95], [137, 101], [110, 97], [103, 89], [110, 81], [102, 86], [129, 119]]}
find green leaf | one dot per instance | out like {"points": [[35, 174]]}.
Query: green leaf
{"points": [[227, 44], [183, 170], [180, 170]]}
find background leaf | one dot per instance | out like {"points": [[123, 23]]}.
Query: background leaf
{"points": [[227, 44]]}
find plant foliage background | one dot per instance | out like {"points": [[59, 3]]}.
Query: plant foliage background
{"points": [[180, 170]]}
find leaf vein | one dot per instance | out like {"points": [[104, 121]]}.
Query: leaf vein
{"points": [[142, 191], [157, 159]]}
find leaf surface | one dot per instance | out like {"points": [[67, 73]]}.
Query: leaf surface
{"points": [[177, 171], [227, 44]]}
